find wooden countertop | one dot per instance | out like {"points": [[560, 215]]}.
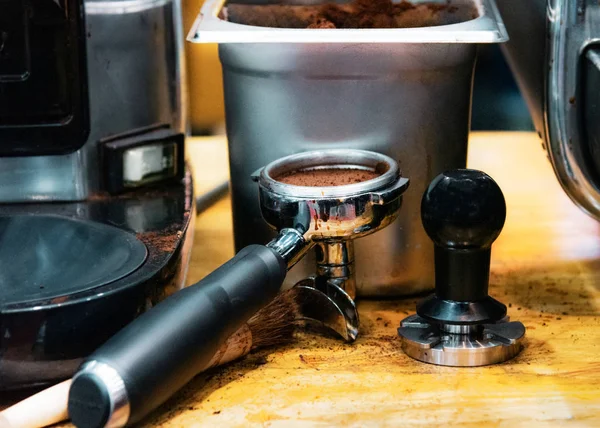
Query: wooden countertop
{"points": [[545, 266]]}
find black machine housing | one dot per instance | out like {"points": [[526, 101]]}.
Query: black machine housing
{"points": [[43, 77]]}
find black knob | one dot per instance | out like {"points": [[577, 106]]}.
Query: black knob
{"points": [[463, 209], [463, 212]]}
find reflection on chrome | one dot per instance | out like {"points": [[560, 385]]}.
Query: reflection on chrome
{"points": [[121, 7]]}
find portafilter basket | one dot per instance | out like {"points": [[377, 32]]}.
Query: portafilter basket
{"points": [[332, 212]]}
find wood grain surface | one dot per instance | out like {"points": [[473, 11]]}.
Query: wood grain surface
{"points": [[545, 267]]}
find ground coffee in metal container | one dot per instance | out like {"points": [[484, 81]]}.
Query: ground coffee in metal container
{"points": [[403, 92], [357, 14]]}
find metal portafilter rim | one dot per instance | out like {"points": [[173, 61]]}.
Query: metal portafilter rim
{"points": [[347, 211], [329, 159]]}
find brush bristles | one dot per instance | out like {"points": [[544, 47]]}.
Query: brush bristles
{"points": [[274, 324]]}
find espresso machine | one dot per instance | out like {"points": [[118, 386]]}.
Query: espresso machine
{"points": [[96, 200], [554, 54]]}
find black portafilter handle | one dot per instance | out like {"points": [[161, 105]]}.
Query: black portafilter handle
{"points": [[158, 353], [463, 212]]}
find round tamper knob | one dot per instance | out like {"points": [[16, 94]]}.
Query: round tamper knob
{"points": [[463, 208], [463, 212]]}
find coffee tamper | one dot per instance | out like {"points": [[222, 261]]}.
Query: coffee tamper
{"points": [[463, 212]]}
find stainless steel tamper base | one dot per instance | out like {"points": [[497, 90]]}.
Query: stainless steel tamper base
{"points": [[465, 346]]}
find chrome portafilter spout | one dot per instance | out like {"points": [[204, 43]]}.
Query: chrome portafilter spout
{"points": [[463, 212], [328, 219]]}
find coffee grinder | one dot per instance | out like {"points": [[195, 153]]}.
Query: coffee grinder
{"points": [[96, 201]]}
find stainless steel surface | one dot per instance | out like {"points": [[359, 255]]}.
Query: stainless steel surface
{"points": [[115, 388], [47, 257], [525, 52], [549, 43], [459, 329], [318, 299], [323, 303], [335, 260], [294, 112], [136, 78], [573, 27], [494, 343], [405, 93], [591, 102], [291, 245]]}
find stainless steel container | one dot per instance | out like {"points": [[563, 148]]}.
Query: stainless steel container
{"points": [[135, 70], [405, 93]]}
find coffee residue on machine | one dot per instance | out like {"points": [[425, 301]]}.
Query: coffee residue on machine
{"points": [[357, 14], [326, 177]]}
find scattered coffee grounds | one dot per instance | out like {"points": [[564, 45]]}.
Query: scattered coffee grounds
{"points": [[322, 23], [357, 14], [164, 240], [327, 177]]}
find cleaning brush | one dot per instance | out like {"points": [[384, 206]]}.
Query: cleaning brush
{"points": [[271, 326]]}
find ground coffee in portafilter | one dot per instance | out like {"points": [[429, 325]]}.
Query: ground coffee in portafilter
{"points": [[327, 177]]}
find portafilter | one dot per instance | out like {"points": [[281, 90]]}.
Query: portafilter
{"points": [[159, 352]]}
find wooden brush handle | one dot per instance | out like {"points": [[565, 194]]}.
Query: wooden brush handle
{"points": [[237, 346], [42, 409]]}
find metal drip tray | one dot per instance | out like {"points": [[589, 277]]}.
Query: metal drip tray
{"points": [[46, 257]]}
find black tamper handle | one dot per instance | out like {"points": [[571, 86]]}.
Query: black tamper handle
{"points": [[462, 275], [163, 349], [463, 212]]}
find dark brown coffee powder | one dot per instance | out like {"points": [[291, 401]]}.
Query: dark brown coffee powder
{"points": [[327, 177], [352, 14]]}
